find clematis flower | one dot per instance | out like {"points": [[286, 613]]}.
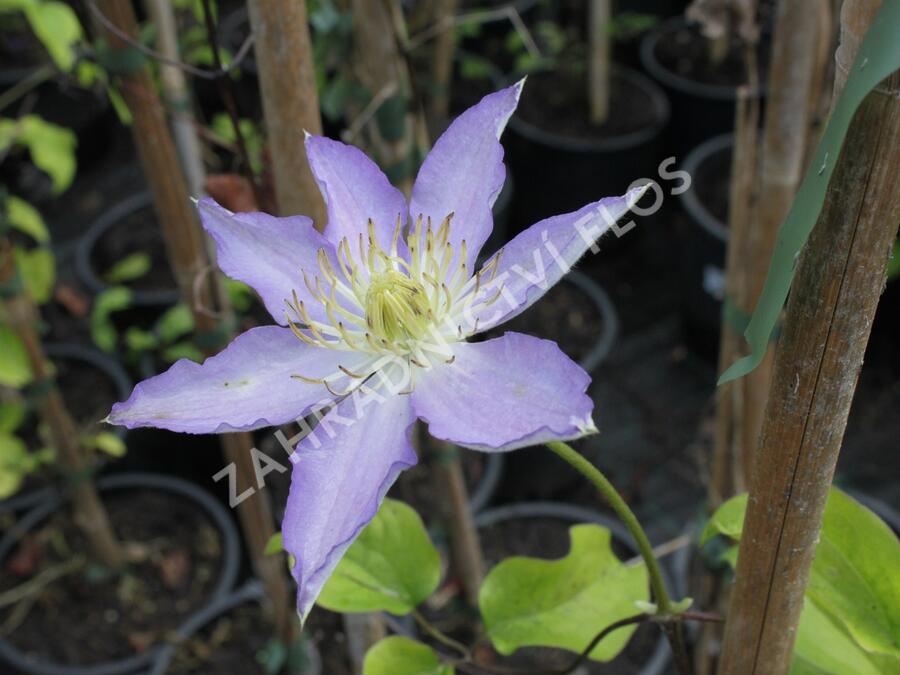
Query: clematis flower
{"points": [[375, 318]]}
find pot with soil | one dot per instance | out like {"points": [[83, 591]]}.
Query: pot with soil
{"points": [[183, 552], [702, 88], [126, 229], [541, 529], [228, 637], [705, 240], [90, 382], [561, 161]]}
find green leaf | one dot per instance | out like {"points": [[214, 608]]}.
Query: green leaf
{"points": [[109, 443], [38, 269], [856, 575], [853, 581], [728, 520], [564, 603], [878, 57], [15, 370], [392, 566], [52, 147], [25, 218], [274, 545], [129, 268], [824, 648], [239, 294], [103, 332], [176, 322], [182, 350], [402, 656], [14, 465], [139, 340], [12, 414], [893, 270], [58, 29]]}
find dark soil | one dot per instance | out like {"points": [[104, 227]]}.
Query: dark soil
{"points": [[327, 632], [104, 616], [416, 486], [228, 645], [88, 392], [557, 100], [138, 232], [684, 51], [565, 315], [712, 183]]}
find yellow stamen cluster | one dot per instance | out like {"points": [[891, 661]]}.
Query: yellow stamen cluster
{"points": [[381, 302]]}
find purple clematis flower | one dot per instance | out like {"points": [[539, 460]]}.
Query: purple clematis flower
{"points": [[375, 314]]}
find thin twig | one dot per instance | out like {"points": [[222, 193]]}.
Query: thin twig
{"points": [[36, 583], [225, 91], [204, 73], [447, 23], [438, 635], [34, 79]]}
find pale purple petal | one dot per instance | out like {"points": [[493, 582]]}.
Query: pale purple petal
{"points": [[355, 190], [536, 259], [247, 385], [342, 471], [268, 253], [507, 393], [464, 171]]}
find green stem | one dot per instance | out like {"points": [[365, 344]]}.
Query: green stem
{"points": [[593, 474], [663, 601]]}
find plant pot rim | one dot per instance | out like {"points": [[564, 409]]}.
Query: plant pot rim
{"points": [[610, 318], [230, 565], [84, 268], [93, 357], [719, 92], [658, 99], [689, 200], [659, 660], [251, 591]]}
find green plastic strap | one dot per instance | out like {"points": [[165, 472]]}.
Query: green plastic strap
{"points": [[214, 338], [12, 288], [878, 57], [738, 320], [125, 61], [74, 478]]}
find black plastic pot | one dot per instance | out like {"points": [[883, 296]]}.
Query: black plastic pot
{"points": [[218, 515], [65, 351], [557, 173], [657, 661], [85, 252], [252, 591], [699, 109], [705, 240]]}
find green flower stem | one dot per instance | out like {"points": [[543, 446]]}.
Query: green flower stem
{"points": [[593, 474]]}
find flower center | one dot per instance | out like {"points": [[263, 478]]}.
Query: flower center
{"points": [[397, 308]]}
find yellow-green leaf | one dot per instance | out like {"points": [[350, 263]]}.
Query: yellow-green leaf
{"points": [[399, 655], [38, 269], [15, 370], [392, 566], [529, 602], [25, 218]]}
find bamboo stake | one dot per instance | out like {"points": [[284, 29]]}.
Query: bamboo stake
{"points": [[287, 81], [829, 315], [187, 254], [444, 51], [379, 66], [175, 90], [449, 482], [599, 15], [794, 74], [89, 513]]}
